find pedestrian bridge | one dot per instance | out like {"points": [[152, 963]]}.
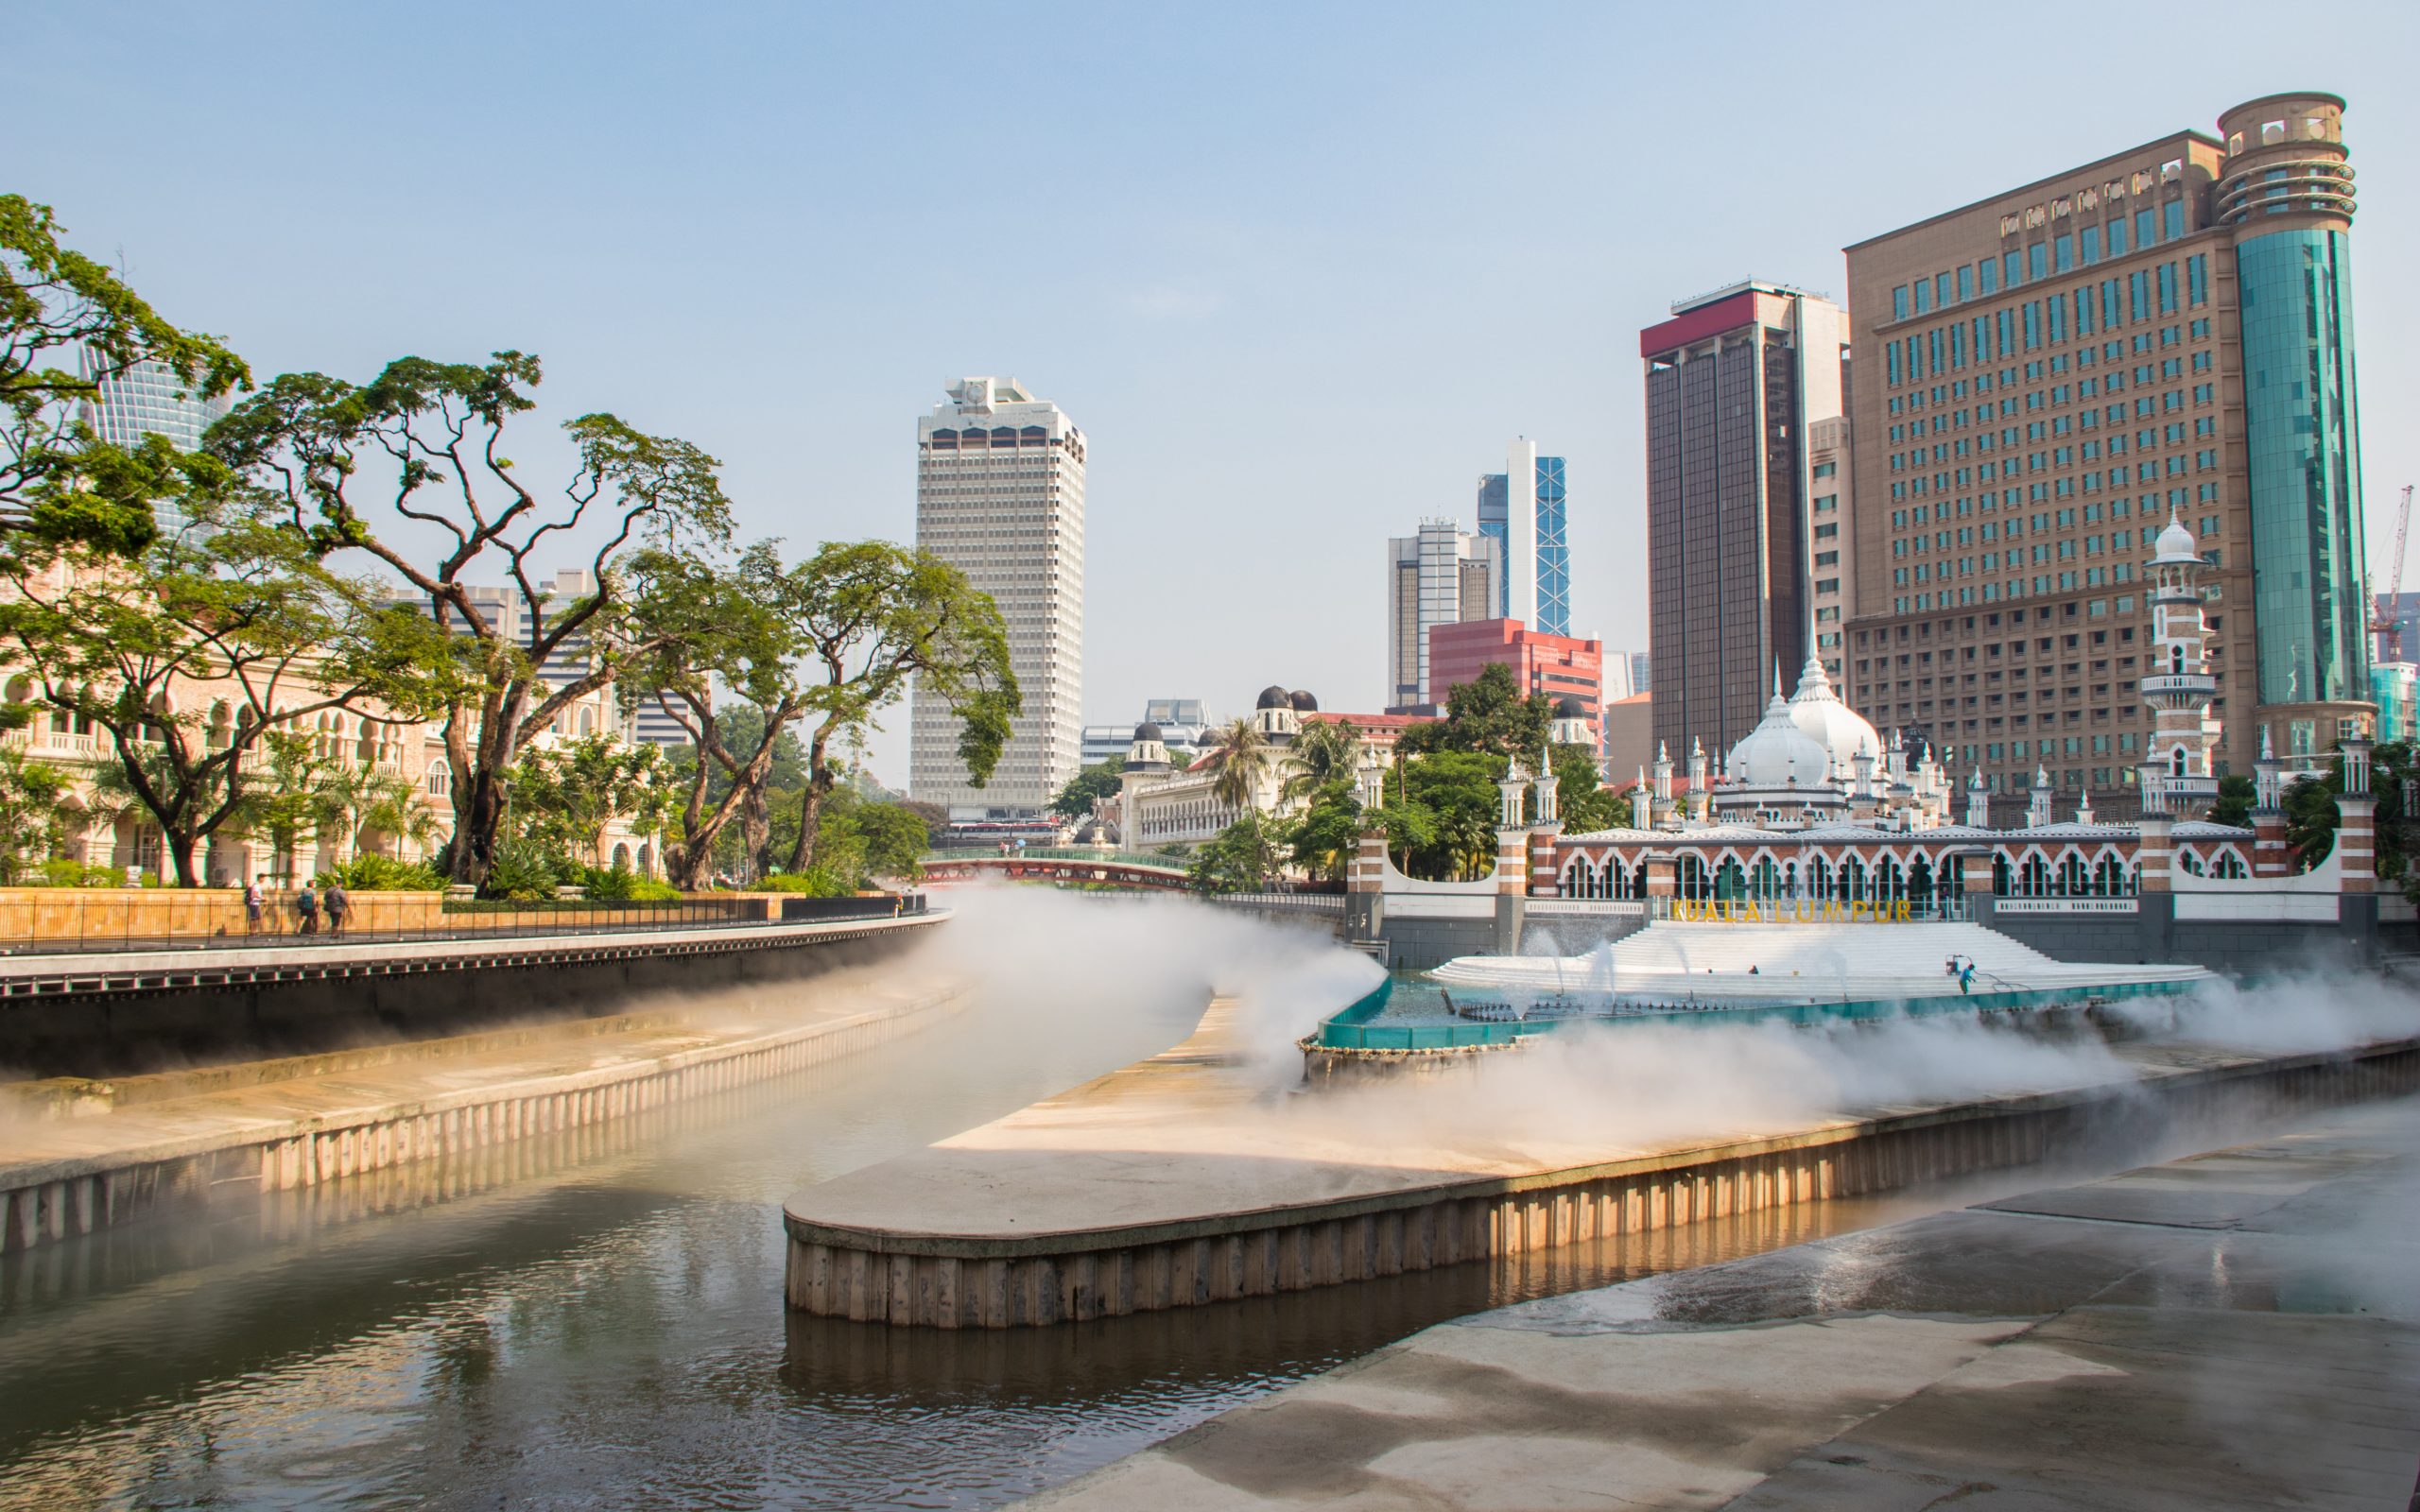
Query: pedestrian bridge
{"points": [[1074, 865]]}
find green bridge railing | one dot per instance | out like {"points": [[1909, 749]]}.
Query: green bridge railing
{"points": [[1352, 1028], [1114, 858]]}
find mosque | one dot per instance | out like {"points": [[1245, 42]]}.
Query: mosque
{"points": [[1813, 803]]}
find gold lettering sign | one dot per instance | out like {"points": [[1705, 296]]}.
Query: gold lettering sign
{"points": [[1791, 911]]}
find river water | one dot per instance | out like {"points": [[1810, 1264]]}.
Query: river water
{"points": [[595, 1320]]}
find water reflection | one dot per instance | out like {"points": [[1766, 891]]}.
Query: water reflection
{"points": [[594, 1319]]}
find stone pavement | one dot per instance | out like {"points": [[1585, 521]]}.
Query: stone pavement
{"points": [[2237, 1329]]}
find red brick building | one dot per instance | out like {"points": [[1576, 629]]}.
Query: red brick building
{"points": [[1556, 665]]}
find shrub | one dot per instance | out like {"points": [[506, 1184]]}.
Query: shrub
{"points": [[526, 873], [376, 873], [64, 872], [620, 885], [817, 881]]}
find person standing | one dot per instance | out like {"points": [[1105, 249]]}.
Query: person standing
{"points": [[339, 907], [255, 897], [306, 908]]}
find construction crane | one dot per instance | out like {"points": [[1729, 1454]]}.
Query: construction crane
{"points": [[2386, 614]]}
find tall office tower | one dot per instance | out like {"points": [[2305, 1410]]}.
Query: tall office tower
{"points": [[1639, 662], [1737, 383], [148, 399], [1000, 496], [2045, 375], [1439, 577], [1528, 526]]}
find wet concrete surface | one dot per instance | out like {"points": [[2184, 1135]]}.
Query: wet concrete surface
{"points": [[2239, 1328]]}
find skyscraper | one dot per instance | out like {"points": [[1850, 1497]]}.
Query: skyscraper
{"points": [[1000, 496], [1439, 577], [1738, 382], [2047, 376], [1528, 526], [148, 400]]}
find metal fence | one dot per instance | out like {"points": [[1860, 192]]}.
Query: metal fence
{"points": [[1103, 856], [35, 921]]}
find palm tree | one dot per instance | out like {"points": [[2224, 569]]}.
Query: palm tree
{"points": [[1242, 756], [388, 803], [1322, 751]]}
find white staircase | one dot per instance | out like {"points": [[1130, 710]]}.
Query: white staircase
{"points": [[1817, 960]]}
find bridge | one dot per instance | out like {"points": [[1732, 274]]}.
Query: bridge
{"points": [[1074, 864]]}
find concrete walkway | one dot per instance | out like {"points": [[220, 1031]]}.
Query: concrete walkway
{"points": [[2237, 1329]]}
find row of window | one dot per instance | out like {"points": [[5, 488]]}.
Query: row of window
{"points": [[2061, 253], [1993, 336]]}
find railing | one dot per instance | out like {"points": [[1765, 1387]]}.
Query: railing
{"points": [[2065, 906], [40, 922], [1319, 903], [1099, 857], [1606, 907]]}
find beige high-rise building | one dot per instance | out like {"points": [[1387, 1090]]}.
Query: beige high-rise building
{"points": [[1443, 575], [1000, 496], [2044, 378]]}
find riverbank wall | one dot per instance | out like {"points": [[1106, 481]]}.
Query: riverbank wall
{"points": [[184, 1137], [1062, 1272], [130, 1013]]}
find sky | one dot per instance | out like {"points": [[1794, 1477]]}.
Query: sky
{"points": [[1298, 271]]}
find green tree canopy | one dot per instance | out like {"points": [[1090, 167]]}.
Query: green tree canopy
{"points": [[1488, 716], [436, 433], [1098, 781], [67, 323], [2237, 794], [238, 604]]}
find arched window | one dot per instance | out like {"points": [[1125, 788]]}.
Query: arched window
{"points": [[2176, 762], [1999, 875], [2176, 659], [2034, 879], [2109, 878], [2073, 881], [2228, 865]]}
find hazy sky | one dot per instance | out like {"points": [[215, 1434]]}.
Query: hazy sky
{"points": [[1299, 271]]}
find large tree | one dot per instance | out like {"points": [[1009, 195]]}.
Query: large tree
{"points": [[1489, 715], [1080, 792], [877, 616], [825, 647], [437, 433], [194, 648], [67, 323]]}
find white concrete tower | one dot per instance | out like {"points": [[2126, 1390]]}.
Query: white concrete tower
{"points": [[1001, 497], [2176, 775]]}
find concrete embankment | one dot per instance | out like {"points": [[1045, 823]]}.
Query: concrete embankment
{"points": [[1183, 1180], [92, 1156], [2240, 1328], [124, 1013]]}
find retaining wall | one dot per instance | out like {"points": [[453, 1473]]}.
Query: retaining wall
{"points": [[203, 1008], [44, 1202], [953, 1283]]}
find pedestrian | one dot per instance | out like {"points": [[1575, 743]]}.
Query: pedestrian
{"points": [[339, 907], [1967, 977], [306, 908], [255, 897]]}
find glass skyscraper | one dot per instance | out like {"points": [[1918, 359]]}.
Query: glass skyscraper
{"points": [[1529, 532], [2288, 194]]}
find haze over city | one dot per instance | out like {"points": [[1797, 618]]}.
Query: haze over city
{"points": [[1298, 275]]}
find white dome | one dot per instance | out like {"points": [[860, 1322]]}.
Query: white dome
{"points": [[1778, 754], [2176, 543], [1818, 712]]}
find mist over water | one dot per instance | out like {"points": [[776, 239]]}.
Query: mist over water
{"points": [[596, 1321]]}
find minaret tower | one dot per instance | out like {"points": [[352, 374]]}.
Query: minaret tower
{"points": [[2177, 778]]}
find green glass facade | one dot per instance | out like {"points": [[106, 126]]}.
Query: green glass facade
{"points": [[2296, 297]]}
